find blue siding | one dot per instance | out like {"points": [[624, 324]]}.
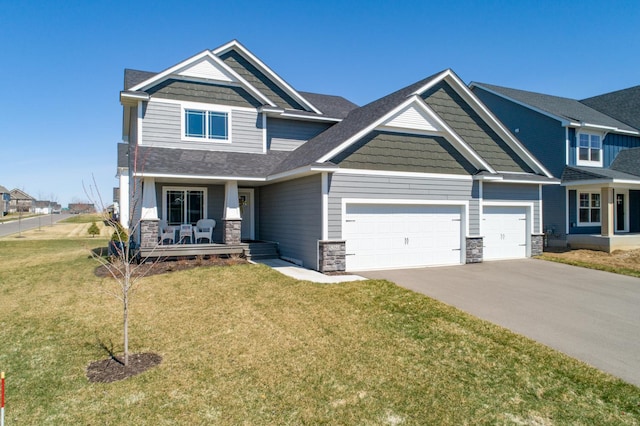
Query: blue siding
{"points": [[634, 211], [572, 146], [612, 144]]}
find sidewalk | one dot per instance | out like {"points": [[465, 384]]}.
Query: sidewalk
{"points": [[303, 274]]}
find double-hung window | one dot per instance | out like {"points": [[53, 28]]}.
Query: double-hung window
{"points": [[589, 150], [203, 124], [589, 208]]}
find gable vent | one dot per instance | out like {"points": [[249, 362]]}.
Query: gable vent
{"points": [[206, 68], [411, 118]]}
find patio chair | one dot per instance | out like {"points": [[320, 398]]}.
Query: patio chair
{"points": [[204, 229], [186, 231], [167, 233]]}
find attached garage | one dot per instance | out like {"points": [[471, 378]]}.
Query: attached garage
{"points": [[382, 236], [505, 232]]}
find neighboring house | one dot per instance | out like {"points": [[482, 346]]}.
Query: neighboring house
{"points": [[21, 202], [5, 198], [423, 176], [46, 207], [81, 208], [594, 145]]}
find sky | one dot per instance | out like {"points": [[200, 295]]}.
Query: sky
{"points": [[62, 62]]}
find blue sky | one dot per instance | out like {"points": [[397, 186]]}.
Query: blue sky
{"points": [[62, 62]]}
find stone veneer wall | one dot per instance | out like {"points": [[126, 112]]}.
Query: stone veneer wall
{"points": [[537, 244], [149, 232], [332, 256], [474, 250], [232, 231]]}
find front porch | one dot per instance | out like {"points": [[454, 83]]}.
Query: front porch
{"points": [[248, 249], [607, 243]]}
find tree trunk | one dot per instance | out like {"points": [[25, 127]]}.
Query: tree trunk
{"points": [[125, 304]]}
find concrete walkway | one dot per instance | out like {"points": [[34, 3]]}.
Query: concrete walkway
{"points": [[590, 315], [303, 274]]}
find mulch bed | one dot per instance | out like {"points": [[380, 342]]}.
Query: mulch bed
{"points": [[112, 369], [165, 266]]}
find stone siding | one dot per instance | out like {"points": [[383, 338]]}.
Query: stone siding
{"points": [[149, 232], [332, 256], [232, 231], [474, 250], [537, 244]]}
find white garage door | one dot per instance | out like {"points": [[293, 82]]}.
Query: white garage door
{"points": [[505, 232], [396, 236]]}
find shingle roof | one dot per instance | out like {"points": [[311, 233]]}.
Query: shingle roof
{"points": [[3, 190], [628, 161], [623, 105], [332, 106], [189, 162], [357, 120], [134, 77], [566, 108], [578, 173]]}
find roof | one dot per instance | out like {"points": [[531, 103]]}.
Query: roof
{"points": [[580, 173], [623, 105], [134, 77], [357, 120], [3, 190], [190, 162], [566, 109], [628, 161], [18, 194]]}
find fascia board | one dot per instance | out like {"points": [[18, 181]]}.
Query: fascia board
{"points": [[437, 79], [601, 182], [309, 117], [529, 182], [199, 177], [158, 78], [128, 98], [608, 128], [495, 124], [255, 61]]}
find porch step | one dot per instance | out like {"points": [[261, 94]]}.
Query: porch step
{"points": [[261, 250]]}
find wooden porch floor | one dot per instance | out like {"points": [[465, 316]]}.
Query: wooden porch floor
{"points": [[249, 248]]}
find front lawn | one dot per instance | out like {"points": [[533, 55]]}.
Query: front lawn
{"points": [[624, 262], [245, 345]]}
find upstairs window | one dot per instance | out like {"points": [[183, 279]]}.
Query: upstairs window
{"points": [[589, 150], [200, 124], [589, 208]]}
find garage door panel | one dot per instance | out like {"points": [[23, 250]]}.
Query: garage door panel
{"points": [[505, 232], [387, 236]]}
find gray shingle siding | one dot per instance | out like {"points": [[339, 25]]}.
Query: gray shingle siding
{"points": [[393, 188], [287, 135], [507, 192], [291, 214], [543, 136], [203, 92], [259, 80], [473, 129], [404, 152], [161, 127]]}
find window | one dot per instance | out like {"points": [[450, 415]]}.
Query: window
{"points": [[589, 149], [184, 205], [589, 208], [202, 124]]}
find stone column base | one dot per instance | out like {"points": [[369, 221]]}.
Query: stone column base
{"points": [[474, 252], [332, 256], [537, 244], [231, 233], [149, 232]]}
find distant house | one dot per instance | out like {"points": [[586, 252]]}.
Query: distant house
{"points": [[81, 208], [46, 207], [594, 144], [21, 202], [5, 197]]}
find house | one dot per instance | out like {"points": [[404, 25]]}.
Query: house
{"points": [[46, 207], [81, 208], [20, 202], [5, 198], [423, 176], [594, 145]]}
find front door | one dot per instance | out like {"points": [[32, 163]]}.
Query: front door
{"points": [[245, 198], [620, 207]]}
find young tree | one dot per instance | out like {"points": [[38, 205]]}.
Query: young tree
{"points": [[93, 229]]}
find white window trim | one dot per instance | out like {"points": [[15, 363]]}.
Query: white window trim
{"points": [[207, 108], [165, 189], [599, 223], [580, 162]]}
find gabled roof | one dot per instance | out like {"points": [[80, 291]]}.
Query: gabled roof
{"points": [[628, 161], [359, 122], [569, 111], [18, 194], [333, 106], [3, 190], [623, 105]]}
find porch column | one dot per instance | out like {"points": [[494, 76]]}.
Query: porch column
{"points": [[232, 219], [606, 212], [125, 193], [149, 222]]}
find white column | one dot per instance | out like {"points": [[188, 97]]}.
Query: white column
{"points": [[149, 204], [231, 204], [125, 193]]}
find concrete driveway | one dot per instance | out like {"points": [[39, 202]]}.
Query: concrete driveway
{"points": [[590, 315]]}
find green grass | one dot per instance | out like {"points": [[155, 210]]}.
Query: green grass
{"points": [[83, 218], [245, 345], [591, 265]]}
